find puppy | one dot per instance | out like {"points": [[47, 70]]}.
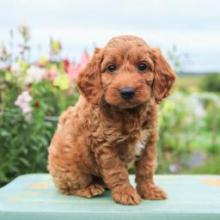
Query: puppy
{"points": [[114, 119]]}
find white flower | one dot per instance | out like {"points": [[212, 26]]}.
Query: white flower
{"points": [[196, 106], [23, 102], [34, 75], [199, 111], [16, 68], [174, 168]]}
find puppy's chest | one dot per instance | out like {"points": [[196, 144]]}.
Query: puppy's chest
{"points": [[121, 132], [131, 129], [125, 128], [130, 150]]}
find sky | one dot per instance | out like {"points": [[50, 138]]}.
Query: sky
{"points": [[192, 25]]}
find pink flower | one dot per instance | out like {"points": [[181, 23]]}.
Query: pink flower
{"points": [[73, 69], [23, 102], [84, 59], [50, 74]]}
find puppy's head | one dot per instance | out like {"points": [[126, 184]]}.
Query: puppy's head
{"points": [[126, 73]]}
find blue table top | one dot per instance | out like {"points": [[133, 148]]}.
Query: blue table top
{"points": [[34, 196]]}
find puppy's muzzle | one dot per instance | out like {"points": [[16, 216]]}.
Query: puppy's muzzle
{"points": [[127, 93]]}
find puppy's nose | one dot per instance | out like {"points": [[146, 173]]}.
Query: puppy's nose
{"points": [[127, 93]]}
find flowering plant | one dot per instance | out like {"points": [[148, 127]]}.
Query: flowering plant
{"points": [[32, 96]]}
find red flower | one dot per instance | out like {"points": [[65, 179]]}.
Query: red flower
{"points": [[66, 64]]}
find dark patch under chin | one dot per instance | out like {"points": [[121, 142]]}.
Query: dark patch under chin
{"points": [[128, 109]]}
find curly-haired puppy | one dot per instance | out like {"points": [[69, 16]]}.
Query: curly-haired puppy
{"points": [[114, 120]]}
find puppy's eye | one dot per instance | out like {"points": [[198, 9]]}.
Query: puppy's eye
{"points": [[142, 67], [111, 68]]}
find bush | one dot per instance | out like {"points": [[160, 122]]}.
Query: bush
{"points": [[211, 82], [25, 135], [32, 96], [188, 123]]}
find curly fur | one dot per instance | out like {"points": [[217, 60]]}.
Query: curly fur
{"points": [[98, 137]]}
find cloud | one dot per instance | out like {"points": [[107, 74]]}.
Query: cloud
{"points": [[144, 14], [192, 25]]}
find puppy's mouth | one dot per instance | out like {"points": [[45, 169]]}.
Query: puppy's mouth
{"points": [[121, 107], [129, 105], [124, 104]]}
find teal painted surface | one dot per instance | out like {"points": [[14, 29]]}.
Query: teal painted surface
{"points": [[34, 197]]}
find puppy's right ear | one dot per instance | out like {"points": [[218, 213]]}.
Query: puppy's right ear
{"points": [[164, 76], [89, 79]]}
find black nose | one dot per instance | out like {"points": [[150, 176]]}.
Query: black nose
{"points": [[127, 93]]}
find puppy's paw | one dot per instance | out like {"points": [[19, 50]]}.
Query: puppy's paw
{"points": [[126, 194], [151, 192], [90, 191]]}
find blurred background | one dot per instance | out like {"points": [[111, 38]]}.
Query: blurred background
{"points": [[44, 44]]}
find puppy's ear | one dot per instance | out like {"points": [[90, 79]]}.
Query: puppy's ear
{"points": [[164, 76], [89, 79]]}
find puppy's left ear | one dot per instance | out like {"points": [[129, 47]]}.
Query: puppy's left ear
{"points": [[89, 79], [164, 76]]}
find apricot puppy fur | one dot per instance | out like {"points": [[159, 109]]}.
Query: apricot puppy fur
{"points": [[113, 123]]}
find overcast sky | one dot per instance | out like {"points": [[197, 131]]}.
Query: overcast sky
{"points": [[192, 25]]}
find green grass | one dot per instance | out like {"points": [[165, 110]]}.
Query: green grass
{"points": [[212, 166], [189, 82]]}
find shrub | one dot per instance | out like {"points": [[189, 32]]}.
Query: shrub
{"points": [[25, 136], [211, 82], [32, 96], [188, 123]]}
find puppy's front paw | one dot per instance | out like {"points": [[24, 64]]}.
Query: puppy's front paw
{"points": [[151, 191], [126, 194], [90, 191]]}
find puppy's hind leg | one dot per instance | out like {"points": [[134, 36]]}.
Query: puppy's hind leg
{"points": [[77, 183]]}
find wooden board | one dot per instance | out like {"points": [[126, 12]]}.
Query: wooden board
{"points": [[33, 196]]}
